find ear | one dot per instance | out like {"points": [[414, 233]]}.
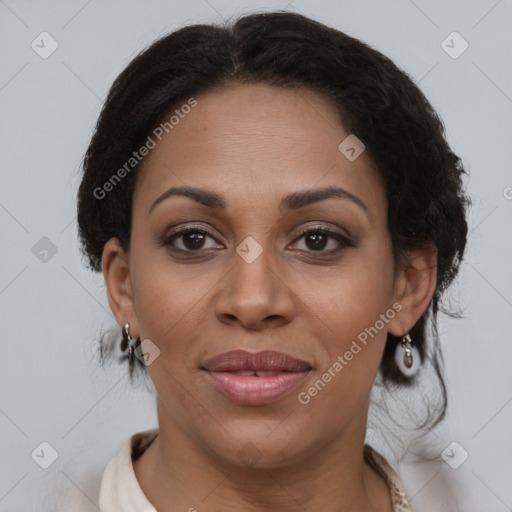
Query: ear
{"points": [[116, 273], [415, 284]]}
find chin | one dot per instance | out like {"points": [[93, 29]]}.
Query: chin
{"points": [[260, 448]]}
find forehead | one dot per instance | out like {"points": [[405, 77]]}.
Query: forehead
{"points": [[254, 143]]}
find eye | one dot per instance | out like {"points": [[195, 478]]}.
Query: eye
{"points": [[191, 239], [317, 239]]}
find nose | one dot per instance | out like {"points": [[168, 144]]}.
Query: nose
{"points": [[255, 294]]}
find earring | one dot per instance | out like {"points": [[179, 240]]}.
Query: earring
{"points": [[407, 357], [126, 342]]}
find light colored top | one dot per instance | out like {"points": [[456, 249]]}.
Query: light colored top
{"points": [[120, 491]]}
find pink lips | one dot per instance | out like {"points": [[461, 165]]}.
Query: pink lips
{"points": [[255, 379]]}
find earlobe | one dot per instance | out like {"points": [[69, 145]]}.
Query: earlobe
{"points": [[116, 273], [415, 285]]}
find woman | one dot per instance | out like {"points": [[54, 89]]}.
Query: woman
{"points": [[276, 213]]}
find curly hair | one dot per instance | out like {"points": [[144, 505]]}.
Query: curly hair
{"points": [[376, 101]]}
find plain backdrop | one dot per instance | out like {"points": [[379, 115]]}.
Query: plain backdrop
{"points": [[53, 389]]}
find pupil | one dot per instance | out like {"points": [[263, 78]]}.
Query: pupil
{"points": [[317, 238], [195, 238]]}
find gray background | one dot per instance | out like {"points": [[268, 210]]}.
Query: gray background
{"points": [[52, 386]]}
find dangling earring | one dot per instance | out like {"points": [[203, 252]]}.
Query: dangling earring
{"points": [[407, 357], [127, 342]]}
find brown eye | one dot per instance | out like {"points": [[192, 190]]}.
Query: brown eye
{"points": [[193, 240], [190, 239], [316, 240]]}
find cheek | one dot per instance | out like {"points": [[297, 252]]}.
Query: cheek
{"points": [[341, 384], [165, 307], [354, 310], [353, 297], [165, 300]]}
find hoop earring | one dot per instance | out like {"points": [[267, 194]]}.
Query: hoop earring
{"points": [[407, 357], [127, 342]]}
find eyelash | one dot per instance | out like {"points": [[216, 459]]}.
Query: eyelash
{"points": [[167, 240]]}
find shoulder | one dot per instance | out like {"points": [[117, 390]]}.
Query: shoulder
{"points": [[119, 489]]}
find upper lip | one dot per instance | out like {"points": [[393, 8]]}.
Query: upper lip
{"points": [[266, 360]]}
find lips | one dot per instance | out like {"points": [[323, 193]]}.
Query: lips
{"points": [[255, 379], [260, 362]]}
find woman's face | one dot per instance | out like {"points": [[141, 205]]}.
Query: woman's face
{"points": [[254, 281]]}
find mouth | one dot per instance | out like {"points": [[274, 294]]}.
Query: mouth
{"points": [[255, 379]]}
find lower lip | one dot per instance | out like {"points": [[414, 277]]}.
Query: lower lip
{"points": [[253, 390]]}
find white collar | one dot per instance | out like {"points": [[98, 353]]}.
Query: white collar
{"points": [[120, 491]]}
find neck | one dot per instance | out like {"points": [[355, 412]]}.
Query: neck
{"points": [[178, 472]]}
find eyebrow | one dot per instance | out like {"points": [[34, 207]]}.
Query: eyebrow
{"points": [[292, 201]]}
